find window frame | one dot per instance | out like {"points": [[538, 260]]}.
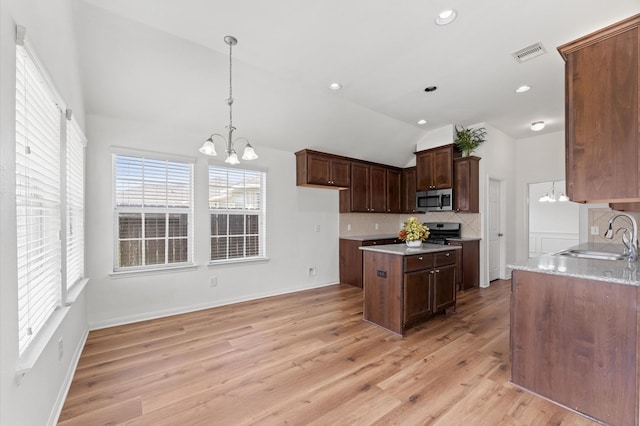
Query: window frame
{"points": [[261, 212], [26, 136], [144, 210]]}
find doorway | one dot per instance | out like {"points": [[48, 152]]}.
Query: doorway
{"points": [[495, 231]]}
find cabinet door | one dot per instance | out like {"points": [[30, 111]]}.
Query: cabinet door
{"points": [[378, 189], [466, 195], [318, 169], [601, 86], [409, 190], [444, 287], [394, 191], [359, 187], [442, 168], [418, 302], [340, 172], [424, 170]]}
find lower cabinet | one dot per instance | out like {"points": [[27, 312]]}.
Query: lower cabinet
{"points": [[350, 262], [468, 275], [401, 291]]}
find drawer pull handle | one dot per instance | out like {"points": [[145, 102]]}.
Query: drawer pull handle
{"points": [[437, 271], [447, 254], [420, 258]]}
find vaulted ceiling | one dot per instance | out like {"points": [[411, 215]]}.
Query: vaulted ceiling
{"points": [[165, 61]]}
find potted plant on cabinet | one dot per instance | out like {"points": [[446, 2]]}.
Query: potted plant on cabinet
{"points": [[468, 139]]}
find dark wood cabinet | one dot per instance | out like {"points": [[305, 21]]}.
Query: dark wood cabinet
{"points": [[393, 197], [350, 258], [374, 188], [409, 190], [317, 169], [575, 342], [602, 114], [400, 291], [466, 191], [359, 195], [434, 168], [468, 275]]}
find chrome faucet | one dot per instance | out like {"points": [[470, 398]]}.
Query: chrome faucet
{"points": [[633, 244]]}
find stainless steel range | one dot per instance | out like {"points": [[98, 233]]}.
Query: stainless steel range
{"points": [[440, 231]]}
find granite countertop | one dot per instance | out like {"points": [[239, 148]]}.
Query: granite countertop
{"points": [[369, 237], [403, 250], [615, 271]]}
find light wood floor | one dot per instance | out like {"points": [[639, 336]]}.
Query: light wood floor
{"points": [[307, 358]]}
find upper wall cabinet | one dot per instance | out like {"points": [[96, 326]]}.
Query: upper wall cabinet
{"points": [[434, 168], [375, 188], [318, 169], [601, 112], [466, 191]]}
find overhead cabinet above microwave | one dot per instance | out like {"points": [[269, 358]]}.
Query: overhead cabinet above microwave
{"points": [[434, 168]]}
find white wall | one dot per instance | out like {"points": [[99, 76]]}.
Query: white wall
{"points": [[37, 400], [539, 159], [497, 162], [293, 245]]}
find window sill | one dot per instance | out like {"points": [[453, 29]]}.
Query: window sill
{"points": [[240, 261], [40, 342], [155, 271]]}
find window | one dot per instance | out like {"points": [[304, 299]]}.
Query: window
{"points": [[153, 213], [74, 204], [237, 213]]}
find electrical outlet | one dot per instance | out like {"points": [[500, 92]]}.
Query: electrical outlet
{"points": [[317, 228], [312, 271], [348, 227], [213, 282], [376, 226], [595, 230], [60, 348]]}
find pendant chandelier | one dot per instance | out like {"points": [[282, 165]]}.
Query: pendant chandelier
{"points": [[551, 197], [208, 147]]}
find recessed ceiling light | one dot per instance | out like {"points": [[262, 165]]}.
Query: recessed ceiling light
{"points": [[536, 126], [523, 88], [446, 17], [423, 121], [335, 86], [430, 89]]}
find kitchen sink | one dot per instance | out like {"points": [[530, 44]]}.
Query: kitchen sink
{"points": [[591, 254]]}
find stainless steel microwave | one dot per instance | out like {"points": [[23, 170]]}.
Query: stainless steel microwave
{"points": [[434, 201]]}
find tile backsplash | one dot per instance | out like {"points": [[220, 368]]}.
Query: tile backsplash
{"points": [[374, 224]]}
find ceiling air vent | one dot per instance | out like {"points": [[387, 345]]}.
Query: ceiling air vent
{"points": [[529, 52]]}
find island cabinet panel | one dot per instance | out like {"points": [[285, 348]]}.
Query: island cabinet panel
{"points": [[318, 169], [351, 257], [602, 74], [383, 295], [418, 286], [575, 342]]}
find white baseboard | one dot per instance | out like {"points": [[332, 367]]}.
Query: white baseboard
{"points": [[197, 307]]}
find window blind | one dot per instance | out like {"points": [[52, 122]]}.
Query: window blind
{"points": [[74, 203], [154, 212], [237, 213], [37, 199]]}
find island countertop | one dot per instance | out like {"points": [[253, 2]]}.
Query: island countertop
{"points": [[615, 271], [403, 250]]}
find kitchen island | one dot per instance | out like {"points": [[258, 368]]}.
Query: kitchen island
{"points": [[404, 286], [574, 333]]}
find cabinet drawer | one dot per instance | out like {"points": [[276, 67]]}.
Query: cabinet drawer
{"points": [[444, 258], [418, 261]]}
